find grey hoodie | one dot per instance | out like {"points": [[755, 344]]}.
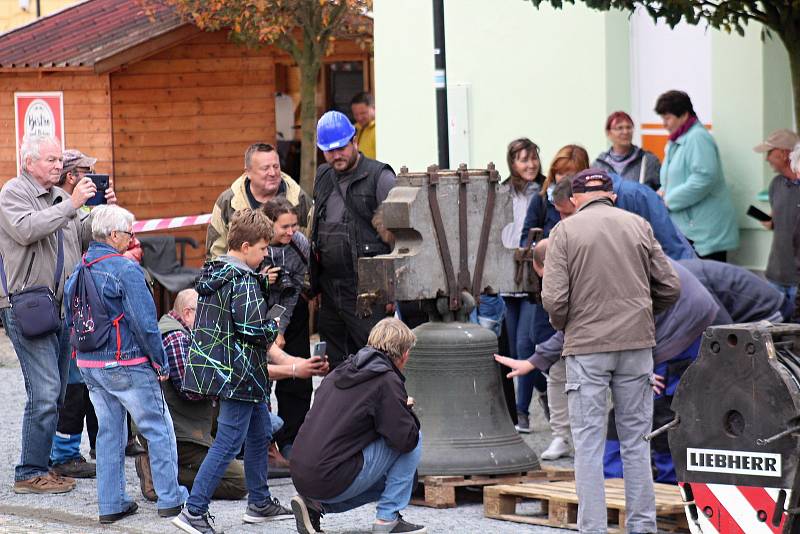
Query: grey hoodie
{"points": [[632, 168]]}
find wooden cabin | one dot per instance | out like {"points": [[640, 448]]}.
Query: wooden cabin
{"points": [[167, 109]]}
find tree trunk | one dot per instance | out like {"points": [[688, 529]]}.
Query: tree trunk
{"points": [[309, 73]]}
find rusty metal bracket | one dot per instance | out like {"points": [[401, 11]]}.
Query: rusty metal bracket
{"points": [[524, 256], [454, 297], [488, 215], [463, 245]]}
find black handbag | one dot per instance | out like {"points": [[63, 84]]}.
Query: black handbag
{"points": [[35, 308]]}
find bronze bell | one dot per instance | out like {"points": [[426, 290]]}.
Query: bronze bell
{"points": [[458, 397]]}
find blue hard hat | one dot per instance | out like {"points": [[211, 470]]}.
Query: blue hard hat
{"points": [[334, 131]]}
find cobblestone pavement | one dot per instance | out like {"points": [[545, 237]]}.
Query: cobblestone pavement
{"points": [[76, 512]]}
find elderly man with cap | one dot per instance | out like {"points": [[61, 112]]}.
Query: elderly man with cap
{"points": [[607, 315], [783, 271], [348, 189]]}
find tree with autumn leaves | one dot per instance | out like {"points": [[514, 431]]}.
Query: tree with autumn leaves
{"points": [[781, 18], [305, 29]]}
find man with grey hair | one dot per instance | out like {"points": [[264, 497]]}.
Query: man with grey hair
{"points": [[120, 355], [782, 271], [36, 218]]}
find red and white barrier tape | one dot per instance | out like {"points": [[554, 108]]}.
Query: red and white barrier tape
{"points": [[728, 509], [152, 225]]}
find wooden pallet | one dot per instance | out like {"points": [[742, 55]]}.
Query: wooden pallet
{"points": [[443, 491], [559, 505]]}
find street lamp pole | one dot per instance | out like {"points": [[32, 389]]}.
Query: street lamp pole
{"points": [[440, 83]]}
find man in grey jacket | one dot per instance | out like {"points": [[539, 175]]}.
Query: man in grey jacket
{"points": [[607, 317], [33, 214]]}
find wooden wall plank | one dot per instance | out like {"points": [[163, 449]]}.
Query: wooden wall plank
{"points": [[182, 137], [190, 109], [221, 179], [253, 116], [199, 64], [140, 96], [183, 80]]}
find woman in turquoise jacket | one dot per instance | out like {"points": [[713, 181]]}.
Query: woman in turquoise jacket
{"points": [[693, 185]]}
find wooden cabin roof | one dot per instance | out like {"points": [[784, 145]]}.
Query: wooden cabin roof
{"points": [[89, 35]]}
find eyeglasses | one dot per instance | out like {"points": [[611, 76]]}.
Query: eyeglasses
{"points": [[625, 128], [129, 234]]}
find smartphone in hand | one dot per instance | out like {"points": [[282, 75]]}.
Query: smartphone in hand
{"points": [[319, 349], [275, 312], [101, 182], [757, 214]]}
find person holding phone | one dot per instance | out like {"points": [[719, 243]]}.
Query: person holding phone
{"points": [[37, 222], [231, 338], [784, 199], [287, 268], [361, 441]]}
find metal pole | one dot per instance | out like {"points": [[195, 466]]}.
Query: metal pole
{"points": [[440, 83], [38, 8]]}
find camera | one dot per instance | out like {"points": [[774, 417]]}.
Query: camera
{"points": [[284, 281], [284, 285]]}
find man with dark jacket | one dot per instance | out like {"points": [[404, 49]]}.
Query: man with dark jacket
{"points": [[742, 296], [347, 192], [607, 317], [360, 441]]}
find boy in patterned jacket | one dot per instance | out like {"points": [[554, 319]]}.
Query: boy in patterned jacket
{"points": [[228, 359]]}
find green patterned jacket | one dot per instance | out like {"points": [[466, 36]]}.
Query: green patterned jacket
{"points": [[231, 334]]}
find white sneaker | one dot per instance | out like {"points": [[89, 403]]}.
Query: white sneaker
{"points": [[558, 447]]}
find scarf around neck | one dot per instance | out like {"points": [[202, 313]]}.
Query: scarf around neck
{"points": [[683, 129]]}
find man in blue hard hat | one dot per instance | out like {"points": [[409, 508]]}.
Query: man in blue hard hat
{"points": [[348, 189]]}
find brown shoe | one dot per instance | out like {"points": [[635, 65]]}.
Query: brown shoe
{"points": [[61, 478], [44, 484], [142, 462], [276, 459], [76, 468], [278, 464]]}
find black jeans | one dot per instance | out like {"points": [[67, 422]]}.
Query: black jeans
{"points": [[294, 394], [339, 325], [77, 406]]}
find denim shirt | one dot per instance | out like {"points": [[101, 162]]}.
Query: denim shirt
{"points": [[121, 284]]}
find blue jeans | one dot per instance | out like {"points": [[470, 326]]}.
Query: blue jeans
{"points": [[387, 477], [44, 363], [275, 422], [789, 292], [238, 422], [519, 325], [135, 389]]}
